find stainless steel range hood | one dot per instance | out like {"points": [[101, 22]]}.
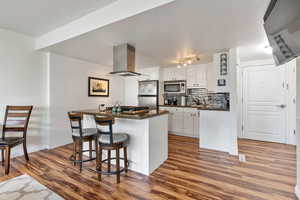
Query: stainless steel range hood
{"points": [[124, 60]]}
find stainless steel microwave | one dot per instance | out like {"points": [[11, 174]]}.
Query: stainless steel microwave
{"points": [[175, 87]]}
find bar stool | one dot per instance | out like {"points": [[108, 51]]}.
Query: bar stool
{"points": [[79, 136], [111, 141]]}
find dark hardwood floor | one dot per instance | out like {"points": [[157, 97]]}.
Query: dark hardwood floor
{"points": [[189, 173]]}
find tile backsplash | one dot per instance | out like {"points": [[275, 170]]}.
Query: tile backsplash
{"points": [[203, 97]]}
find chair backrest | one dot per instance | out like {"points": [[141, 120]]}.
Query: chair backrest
{"points": [[76, 122], [16, 119], [106, 121]]}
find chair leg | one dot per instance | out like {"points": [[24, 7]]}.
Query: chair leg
{"points": [[118, 164], [2, 156], [80, 156], [108, 160], [125, 159], [25, 151], [7, 160], [91, 149]]}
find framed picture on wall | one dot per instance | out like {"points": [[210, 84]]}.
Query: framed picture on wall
{"points": [[98, 87]]}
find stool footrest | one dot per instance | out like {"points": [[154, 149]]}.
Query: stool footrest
{"points": [[111, 172], [79, 161]]}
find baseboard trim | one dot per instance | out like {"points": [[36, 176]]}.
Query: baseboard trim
{"points": [[182, 134], [297, 191], [18, 151]]}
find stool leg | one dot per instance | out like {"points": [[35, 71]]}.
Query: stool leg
{"points": [[7, 160], [2, 156], [118, 164], [97, 151], [125, 159], [80, 156], [99, 164], [74, 152], [90, 149], [108, 161]]}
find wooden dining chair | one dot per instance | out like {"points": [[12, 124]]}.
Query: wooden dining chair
{"points": [[16, 119]]}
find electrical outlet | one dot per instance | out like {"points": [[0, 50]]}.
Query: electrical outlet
{"points": [[242, 157]]}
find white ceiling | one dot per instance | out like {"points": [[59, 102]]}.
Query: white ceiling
{"points": [[178, 29], [37, 17]]}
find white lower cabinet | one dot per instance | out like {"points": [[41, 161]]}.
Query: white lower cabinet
{"points": [[177, 125], [188, 124], [183, 121]]}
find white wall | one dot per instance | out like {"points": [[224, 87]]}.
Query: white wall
{"points": [[297, 189], [213, 137], [69, 91], [291, 98], [53, 84], [22, 76], [211, 77]]}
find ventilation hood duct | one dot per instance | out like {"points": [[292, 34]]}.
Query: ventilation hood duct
{"points": [[124, 60]]}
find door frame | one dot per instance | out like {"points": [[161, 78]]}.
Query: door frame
{"points": [[289, 139]]}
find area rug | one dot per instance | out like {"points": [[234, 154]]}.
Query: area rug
{"points": [[25, 188]]}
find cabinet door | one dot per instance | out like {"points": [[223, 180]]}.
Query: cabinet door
{"points": [[196, 76], [179, 74], [167, 74], [201, 76], [177, 121], [189, 124], [170, 117], [190, 77], [196, 120], [173, 73]]}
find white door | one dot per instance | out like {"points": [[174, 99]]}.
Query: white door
{"points": [[264, 104]]}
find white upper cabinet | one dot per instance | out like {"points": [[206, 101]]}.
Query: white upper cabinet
{"points": [[174, 73], [151, 73], [196, 76]]}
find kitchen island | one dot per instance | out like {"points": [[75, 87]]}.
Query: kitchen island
{"points": [[148, 132]]}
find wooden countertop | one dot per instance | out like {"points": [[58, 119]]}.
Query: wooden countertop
{"points": [[150, 114]]}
